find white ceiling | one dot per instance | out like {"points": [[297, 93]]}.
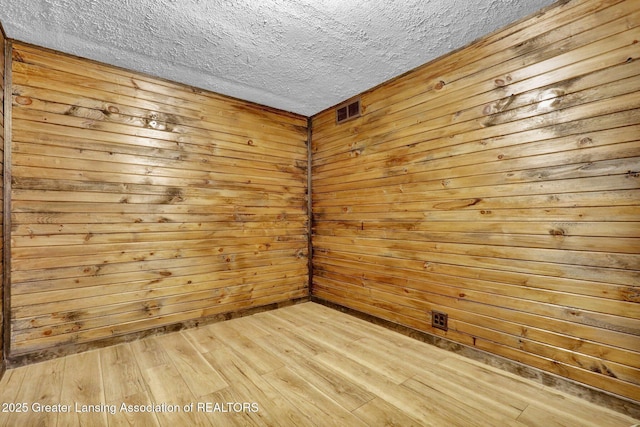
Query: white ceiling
{"points": [[297, 55]]}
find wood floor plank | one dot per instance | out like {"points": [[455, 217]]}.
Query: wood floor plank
{"points": [[476, 411], [276, 322], [302, 365], [199, 376], [317, 406], [302, 342], [171, 393], [380, 413], [505, 386], [500, 388], [563, 406], [221, 414], [255, 356], [11, 383], [149, 354], [123, 383], [39, 394], [541, 414], [165, 385], [122, 377], [203, 338], [331, 383], [410, 402], [328, 337], [83, 389], [250, 327], [376, 356], [414, 352], [293, 317], [250, 386]]}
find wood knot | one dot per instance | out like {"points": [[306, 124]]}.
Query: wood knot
{"points": [[585, 141], [439, 85], [112, 109], [173, 195], [500, 156], [250, 142], [557, 232], [23, 100], [457, 204], [603, 369], [500, 82], [16, 56]]}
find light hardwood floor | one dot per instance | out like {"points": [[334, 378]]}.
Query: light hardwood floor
{"points": [[304, 365]]}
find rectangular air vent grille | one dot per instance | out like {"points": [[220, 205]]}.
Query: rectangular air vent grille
{"points": [[347, 111], [439, 320]]}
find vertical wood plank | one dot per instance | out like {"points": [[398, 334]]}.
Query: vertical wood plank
{"points": [[5, 137]]}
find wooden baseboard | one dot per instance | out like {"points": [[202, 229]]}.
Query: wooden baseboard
{"points": [[595, 396], [29, 358]]}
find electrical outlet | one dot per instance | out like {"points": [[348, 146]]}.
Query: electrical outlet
{"points": [[439, 320]]}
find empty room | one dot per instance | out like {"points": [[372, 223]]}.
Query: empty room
{"points": [[320, 213]]}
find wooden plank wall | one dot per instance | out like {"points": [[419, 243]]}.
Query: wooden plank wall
{"points": [[499, 184], [2, 65], [139, 203]]}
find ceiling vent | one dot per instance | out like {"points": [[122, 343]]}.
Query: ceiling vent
{"points": [[347, 111]]}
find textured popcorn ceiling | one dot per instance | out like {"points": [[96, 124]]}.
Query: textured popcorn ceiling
{"points": [[297, 55]]}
